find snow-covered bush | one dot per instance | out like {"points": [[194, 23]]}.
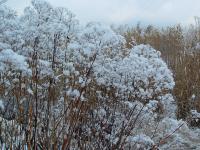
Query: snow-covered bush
{"points": [[64, 86], [12, 59], [142, 74], [124, 91]]}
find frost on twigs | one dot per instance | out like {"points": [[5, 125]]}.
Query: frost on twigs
{"points": [[64, 86], [14, 61], [143, 75]]}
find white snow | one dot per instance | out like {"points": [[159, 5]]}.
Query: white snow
{"points": [[1, 105]]}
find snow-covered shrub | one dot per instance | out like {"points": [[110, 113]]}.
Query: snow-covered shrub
{"points": [[100, 39], [124, 92], [140, 141], [10, 29], [143, 75], [14, 61], [69, 87]]}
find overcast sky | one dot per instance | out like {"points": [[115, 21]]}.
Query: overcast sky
{"points": [[156, 12]]}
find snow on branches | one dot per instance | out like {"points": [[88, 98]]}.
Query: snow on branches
{"points": [[79, 87]]}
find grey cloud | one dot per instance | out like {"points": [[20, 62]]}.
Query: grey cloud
{"points": [[126, 11]]}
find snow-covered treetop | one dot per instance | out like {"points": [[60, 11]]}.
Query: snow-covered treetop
{"points": [[142, 73], [45, 18], [14, 61], [52, 27], [7, 13], [143, 64], [98, 38]]}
